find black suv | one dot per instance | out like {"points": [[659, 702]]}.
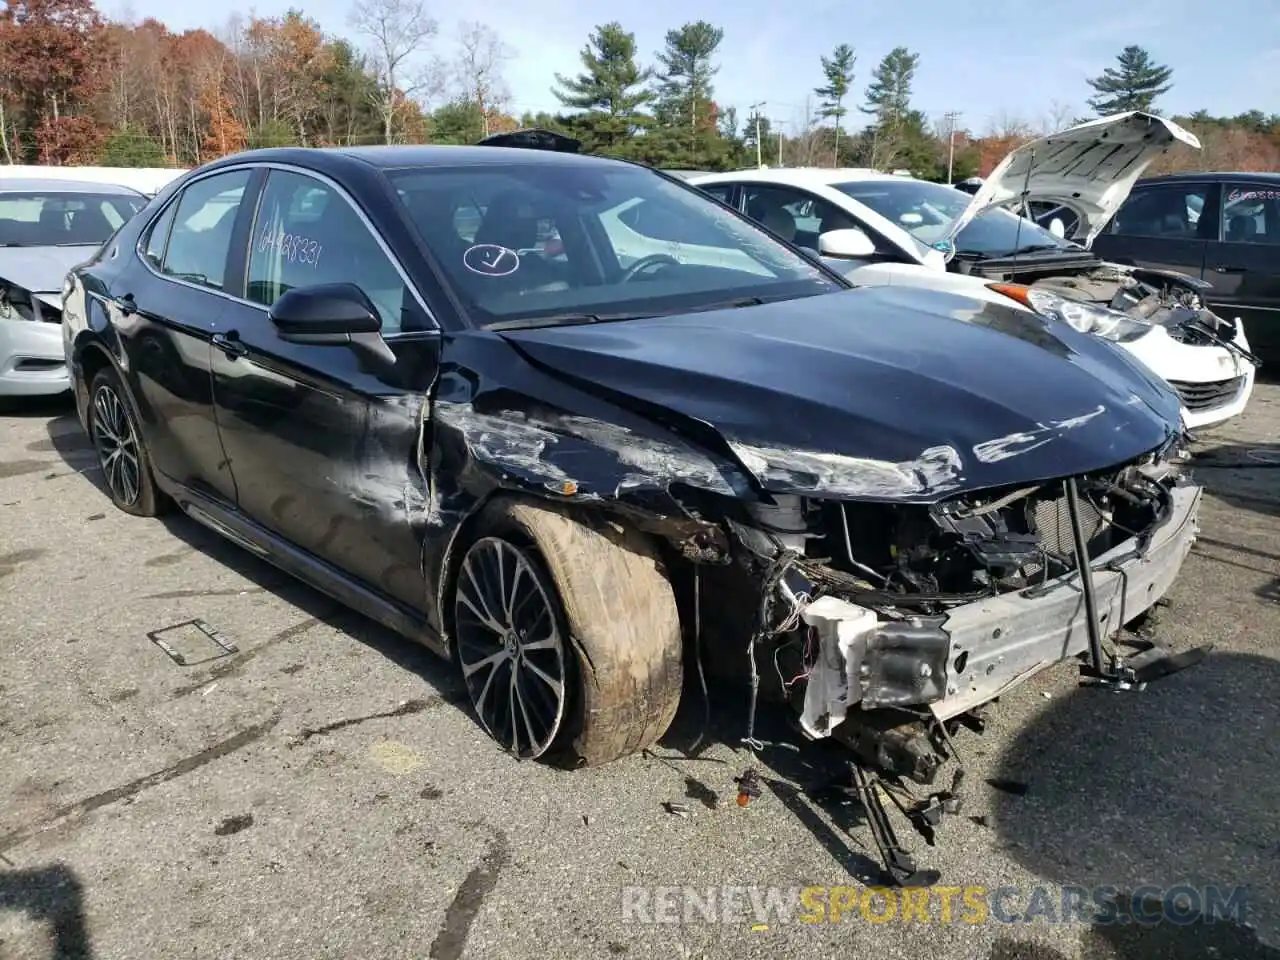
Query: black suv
{"points": [[1221, 227]]}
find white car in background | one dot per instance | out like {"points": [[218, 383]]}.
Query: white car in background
{"points": [[47, 226], [886, 229]]}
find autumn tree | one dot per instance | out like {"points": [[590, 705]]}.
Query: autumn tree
{"points": [[838, 70], [398, 32], [1133, 84], [51, 67], [610, 91]]}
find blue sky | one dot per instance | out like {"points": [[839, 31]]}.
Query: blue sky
{"points": [[1005, 58]]}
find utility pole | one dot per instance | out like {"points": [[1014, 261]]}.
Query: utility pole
{"points": [[779, 144], [951, 143], [755, 107]]}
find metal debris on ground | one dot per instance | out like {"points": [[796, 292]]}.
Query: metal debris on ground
{"points": [[184, 642], [679, 809]]}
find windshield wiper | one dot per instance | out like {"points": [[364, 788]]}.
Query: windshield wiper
{"points": [[1033, 248], [79, 243], [562, 320]]}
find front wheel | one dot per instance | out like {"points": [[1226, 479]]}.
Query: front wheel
{"points": [[122, 454], [567, 635]]}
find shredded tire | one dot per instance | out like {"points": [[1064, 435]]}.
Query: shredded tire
{"points": [[623, 624]]}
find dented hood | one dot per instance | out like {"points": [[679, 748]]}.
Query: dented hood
{"points": [[881, 393], [1089, 168]]}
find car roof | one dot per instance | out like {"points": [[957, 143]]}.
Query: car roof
{"points": [[58, 185], [392, 157], [1226, 176], [806, 176]]}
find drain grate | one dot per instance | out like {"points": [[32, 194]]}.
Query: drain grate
{"points": [[192, 642]]}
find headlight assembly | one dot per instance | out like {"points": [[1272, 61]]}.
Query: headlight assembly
{"points": [[1085, 317]]}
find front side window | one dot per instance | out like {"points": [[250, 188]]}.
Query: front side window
{"points": [[926, 212], [1251, 213], [1169, 211], [200, 238], [531, 240], [63, 218], [795, 215], [306, 233]]}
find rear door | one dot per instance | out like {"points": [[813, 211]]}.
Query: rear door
{"points": [[166, 304], [324, 444], [1163, 225], [1243, 262]]}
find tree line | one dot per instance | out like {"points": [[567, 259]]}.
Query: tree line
{"points": [[79, 88]]}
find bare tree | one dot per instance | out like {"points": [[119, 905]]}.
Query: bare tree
{"points": [[398, 31], [478, 67], [1057, 117]]}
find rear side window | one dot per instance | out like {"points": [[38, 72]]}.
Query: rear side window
{"points": [[1169, 211], [1251, 213], [200, 238]]}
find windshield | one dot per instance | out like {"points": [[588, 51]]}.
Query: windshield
{"points": [[926, 211], [524, 241], [63, 219]]}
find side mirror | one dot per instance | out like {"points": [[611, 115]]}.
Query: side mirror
{"points": [[851, 244], [331, 314]]}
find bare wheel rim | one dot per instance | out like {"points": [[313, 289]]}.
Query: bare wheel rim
{"points": [[510, 646], [117, 445]]}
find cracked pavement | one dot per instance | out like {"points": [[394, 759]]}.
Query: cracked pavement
{"points": [[324, 791]]}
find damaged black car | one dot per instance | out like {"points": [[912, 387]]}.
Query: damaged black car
{"points": [[576, 425]]}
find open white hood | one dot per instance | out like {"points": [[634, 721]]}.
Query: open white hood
{"points": [[1089, 168]]}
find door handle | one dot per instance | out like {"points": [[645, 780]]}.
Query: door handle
{"points": [[229, 343]]}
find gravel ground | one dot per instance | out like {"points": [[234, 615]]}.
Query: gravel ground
{"points": [[322, 793]]}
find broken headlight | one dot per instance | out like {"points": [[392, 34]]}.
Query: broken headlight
{"points": [[1085, 317]]}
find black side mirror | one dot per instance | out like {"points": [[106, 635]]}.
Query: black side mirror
{"points": [[339, 314]]}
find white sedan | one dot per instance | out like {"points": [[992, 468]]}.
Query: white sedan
{"points": [[887, 229]]}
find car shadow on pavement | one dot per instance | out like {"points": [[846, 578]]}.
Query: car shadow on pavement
{"points": [[1244, 475], [76, 450], [58, 405], [53, 895], [1174, 784]]}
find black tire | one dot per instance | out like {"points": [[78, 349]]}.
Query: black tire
{"points": [[122, 453], [617, 620]]}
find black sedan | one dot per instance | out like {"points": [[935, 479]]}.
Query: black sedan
{"points": [[554, 415]]}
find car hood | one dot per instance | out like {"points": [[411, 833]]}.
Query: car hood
{"points": [[1089, 168], [41, 269], [880, 393]]}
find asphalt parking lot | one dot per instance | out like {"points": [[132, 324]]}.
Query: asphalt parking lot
{"points": [[323, 793]]}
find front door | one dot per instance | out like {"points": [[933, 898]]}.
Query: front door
{"points": [[1163, 226], [1243, 263], [324, 443], [167, 304]]}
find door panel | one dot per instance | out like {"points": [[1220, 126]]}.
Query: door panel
{"points": [[1244, 264], [324, 443], [1164, 226], [166, 310]]}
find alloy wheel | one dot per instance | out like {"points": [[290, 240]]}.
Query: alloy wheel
{"points": [[117, 444], [511, 646]]}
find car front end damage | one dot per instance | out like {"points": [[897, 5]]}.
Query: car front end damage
{"points": [[871, 522], [937, 610], [1158, 316]]}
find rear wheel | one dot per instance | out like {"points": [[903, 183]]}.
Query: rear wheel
{"points": [[126, 467], [567, 635]]}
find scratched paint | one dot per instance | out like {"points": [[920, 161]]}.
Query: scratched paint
{"points": [[1017, 444]]}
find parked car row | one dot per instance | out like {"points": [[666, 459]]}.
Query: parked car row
{"points": [[899, 231]]}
